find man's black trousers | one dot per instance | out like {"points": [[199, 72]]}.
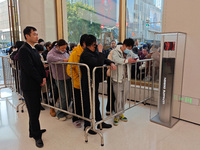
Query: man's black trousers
{"points": [[32, 99]]}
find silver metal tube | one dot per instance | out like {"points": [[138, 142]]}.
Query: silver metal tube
{"points": [[103, 93], [58, 86], [72, 81], [66, 93], [52, 90], [93, 99], [152, 90], [117, 99], [93, 102], [135, 82], [145, 76], [47, 93], [123, 82], [110, 92], [130, 85], [82, 108], [140, 83], [149, 73]]}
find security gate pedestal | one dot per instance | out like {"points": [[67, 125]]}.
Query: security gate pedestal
{"points": [[171, 76]]}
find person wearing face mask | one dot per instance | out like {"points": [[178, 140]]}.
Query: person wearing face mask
{"points": [[123, 57], [58, 54], [92, 58]]}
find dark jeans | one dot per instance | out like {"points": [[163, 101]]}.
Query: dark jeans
{"points": [[86, 103], [78, 107], [112, 98], [64, 99], [32, 99]]}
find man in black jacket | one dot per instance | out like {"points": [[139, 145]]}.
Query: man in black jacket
{"points": [[32, 78], [93, 59]]}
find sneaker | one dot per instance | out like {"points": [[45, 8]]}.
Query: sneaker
{"points": [[52, 112], [116, 122], [122, 118], [68, 116], [91, 131], [104, 125], [107, 113], [61, 119], [77, 124]]}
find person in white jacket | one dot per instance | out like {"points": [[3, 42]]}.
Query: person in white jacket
{"points": [[123, 57]]}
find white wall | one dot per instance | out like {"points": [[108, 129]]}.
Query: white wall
{"points": [[183, 16], [40, 14]]}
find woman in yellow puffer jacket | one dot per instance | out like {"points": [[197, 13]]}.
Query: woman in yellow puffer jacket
{"points": [[75, 57]]}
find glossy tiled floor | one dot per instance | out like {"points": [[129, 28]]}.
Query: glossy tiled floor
{"points": [[137, 134]]}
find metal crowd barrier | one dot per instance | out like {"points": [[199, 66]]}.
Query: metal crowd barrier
{"points": [[48, 91], [148, 70], [52, 91], [10, 78], [6, 74]]}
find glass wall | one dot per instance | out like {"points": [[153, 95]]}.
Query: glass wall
{"points": [[144, 17], [97, 17], [5, 39]]}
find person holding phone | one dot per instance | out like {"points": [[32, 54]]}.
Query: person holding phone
{"points": [[123, 58]]}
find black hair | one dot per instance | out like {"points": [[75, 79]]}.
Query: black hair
{"points": [[72, 45], [39, 47], [40, 40], [135, 50], [83, 39], [113, 41], [128, 42], [47, 44], [61, 42], [53, 44], [28, 29], [90, 40], [19, 44], [119, 43], [67, 49]]}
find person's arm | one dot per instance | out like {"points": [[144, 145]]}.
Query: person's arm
{"points": [[26, 64], [108, 61], [118, 60]]}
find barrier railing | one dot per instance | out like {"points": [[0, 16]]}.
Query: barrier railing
{"points": [[54, 97], [149, 69], [7, 74]]}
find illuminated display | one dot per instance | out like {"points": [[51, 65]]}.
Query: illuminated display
{"points": [[185, 99]]}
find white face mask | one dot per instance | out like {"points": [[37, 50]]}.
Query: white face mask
{"points": [[127, 51], [14, 49], [63, 52]]}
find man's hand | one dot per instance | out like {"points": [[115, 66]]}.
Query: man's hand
{"points": [[46, 65], [44, 82], [65, 60], [100, 48], [131, 60], [113, 67]]}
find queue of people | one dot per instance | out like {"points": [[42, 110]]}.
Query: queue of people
{"points": [[68, 84]]}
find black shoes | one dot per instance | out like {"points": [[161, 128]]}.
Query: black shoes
{"points": [[104, 125], [41, 131], [42, 108], [39, 143], [91, 131]]}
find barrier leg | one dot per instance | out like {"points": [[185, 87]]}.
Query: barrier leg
{"points": [[22, 110], [86, 133]]}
